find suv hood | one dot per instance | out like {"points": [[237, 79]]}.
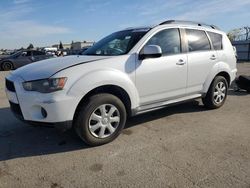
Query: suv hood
{"points": [[47, 68]]}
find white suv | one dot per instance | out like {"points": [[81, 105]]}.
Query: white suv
{"points": [[129, 72]]}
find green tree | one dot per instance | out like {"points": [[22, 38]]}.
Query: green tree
{"points": [[239, 34], [30, 46], [61, 45], [247, 32], [71, 47]]}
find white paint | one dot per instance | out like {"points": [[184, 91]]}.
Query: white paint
{"points": [[152, 82]]}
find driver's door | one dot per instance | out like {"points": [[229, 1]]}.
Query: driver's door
{"points": [[24, 58], [163, 78]]}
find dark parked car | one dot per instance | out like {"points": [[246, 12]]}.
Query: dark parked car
{"points": [[22, 58], [83, 50]]}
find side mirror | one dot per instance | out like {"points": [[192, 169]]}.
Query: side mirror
{"points": [[24, 54], [150, 51]]}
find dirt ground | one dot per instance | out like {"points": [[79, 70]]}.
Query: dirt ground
{"points": [[180, 146]]}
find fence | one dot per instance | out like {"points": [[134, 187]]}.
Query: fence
{"points": [[243, 50]]}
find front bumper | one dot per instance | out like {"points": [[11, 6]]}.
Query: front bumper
{"points": [[16, 110], [33, 107]]}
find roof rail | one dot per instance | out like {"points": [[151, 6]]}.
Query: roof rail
{"points": [[189, 23]]}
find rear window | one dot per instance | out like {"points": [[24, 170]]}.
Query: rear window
{"points": [[197, 40], [216, 40]]}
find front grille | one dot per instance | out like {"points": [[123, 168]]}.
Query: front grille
{"points": [[15, 108], [10, 85]]}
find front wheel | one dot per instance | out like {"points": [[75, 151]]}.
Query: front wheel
{"points": [[101, 119], [217, 93]]}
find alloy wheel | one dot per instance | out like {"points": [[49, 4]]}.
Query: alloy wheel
{"points": [[219, 92], [104, 121]]}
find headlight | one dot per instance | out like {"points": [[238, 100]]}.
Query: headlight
{"points": [[45, 85]]}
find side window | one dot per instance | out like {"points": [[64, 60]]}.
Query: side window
{"points": [[197, 40], [216, 40], [26, 54], [168, 40], [35, 53]]}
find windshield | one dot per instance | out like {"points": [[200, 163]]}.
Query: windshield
{"points": [[118, 43], [16, 54]]}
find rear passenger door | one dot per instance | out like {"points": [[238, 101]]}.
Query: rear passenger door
{"points": [[201, 59], [23, 59]]}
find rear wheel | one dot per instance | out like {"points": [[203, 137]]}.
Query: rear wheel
{"points": [[217, 93], [6, 66], [101, 119]]}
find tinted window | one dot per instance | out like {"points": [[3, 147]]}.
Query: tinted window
{"points": [[216, 40], [168, 40], [26, 53], [38, 53], [197, 40]]}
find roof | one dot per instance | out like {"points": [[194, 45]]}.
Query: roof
{"points": [[176, 22], [189, 23]]}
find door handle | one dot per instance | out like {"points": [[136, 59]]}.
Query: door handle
{"points": [[213, 57], [181, 62]]}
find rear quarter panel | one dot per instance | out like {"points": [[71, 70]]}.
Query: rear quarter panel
{"points": [[227, 63]]}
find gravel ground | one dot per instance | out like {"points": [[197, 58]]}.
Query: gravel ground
{"points": [[180, 146]]}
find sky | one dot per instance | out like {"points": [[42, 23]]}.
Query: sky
{"points": [[46, 22]]}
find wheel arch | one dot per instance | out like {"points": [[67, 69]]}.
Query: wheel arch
{"points": [[7, 61], [225, 75], [111, 89], [220, 69], [208, 83]]}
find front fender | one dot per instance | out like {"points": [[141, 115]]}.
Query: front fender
{"points": [[99, 78]]}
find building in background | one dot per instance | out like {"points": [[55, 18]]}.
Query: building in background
{"points": [[74, 48], [74, 45], [65, 46], [80, 45], [243, 49]]}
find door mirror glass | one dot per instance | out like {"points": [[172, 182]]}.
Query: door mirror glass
{"points": [[150, 51]]}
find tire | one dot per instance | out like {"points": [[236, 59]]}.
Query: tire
{"points": [[7, 66], [217, 93], [94, 124]]}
